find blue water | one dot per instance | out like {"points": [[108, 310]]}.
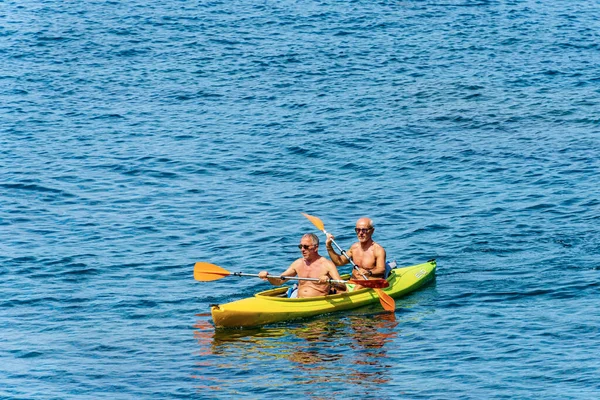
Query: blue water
{"points": [[137, 138]]}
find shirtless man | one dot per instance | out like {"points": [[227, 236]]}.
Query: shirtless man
{"points": [[366, 254], [311, 265]]}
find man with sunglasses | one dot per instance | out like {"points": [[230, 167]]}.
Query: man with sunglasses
{"points": [[310, 265], [368, 255]]}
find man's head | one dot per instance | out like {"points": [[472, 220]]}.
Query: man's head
{"points": [[364, 229], [309, 245]]}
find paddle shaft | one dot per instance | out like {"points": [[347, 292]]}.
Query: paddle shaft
{"points": [[294, 278]]}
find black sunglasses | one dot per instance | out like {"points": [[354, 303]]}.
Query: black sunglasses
{"points": [[304, 246], [363, 230]]}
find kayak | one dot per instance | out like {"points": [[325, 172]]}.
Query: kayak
{"points": [[273, 305]]}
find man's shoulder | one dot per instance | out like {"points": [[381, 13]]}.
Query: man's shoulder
{"points": [[379, 247], [327, 260]]}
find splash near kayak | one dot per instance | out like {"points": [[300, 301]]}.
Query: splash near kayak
{"points": [[273, 305]]}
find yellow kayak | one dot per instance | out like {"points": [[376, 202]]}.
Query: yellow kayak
{"points": [[273, 305]]}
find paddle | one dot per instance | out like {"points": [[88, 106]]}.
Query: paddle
{"points": [[205, 272], [386, 300]]}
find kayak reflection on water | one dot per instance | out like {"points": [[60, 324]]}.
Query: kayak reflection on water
{"points": [[312, 352]]}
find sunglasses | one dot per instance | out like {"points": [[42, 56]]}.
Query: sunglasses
{"points": [[304, 246], [363, 230]]}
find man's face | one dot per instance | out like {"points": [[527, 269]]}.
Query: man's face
{"points": [[307, 247], [363, 231]]}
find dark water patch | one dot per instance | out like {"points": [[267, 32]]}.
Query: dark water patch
{"points": [[52, 39], [29, 354], [563, 243], [271, 172], [66, 268], [35, 188], [302, 151], [24, 259], [62, 261], [160, 268], [142, 304], [591, 203], [108, 348], [30, 301], [132, 52], [75, 275], [108, 116]]}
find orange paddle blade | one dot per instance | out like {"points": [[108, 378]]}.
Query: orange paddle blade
{"points": [[316, 221], [205, 272], [371, 283], [386, 301]]}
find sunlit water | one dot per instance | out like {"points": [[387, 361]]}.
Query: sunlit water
{"points": [[137, 139]]}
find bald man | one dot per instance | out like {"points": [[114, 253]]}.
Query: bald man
{"points": [[368, 255]]}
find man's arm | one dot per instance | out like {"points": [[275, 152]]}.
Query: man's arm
{"points": [[379, 261], [291, 271], [332, 273], [337, 259]]}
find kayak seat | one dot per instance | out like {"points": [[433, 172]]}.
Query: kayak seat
{"points": [[389, 266], [292, 291]]}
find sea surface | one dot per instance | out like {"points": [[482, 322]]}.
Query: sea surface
{"points": [[137, 138]]}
